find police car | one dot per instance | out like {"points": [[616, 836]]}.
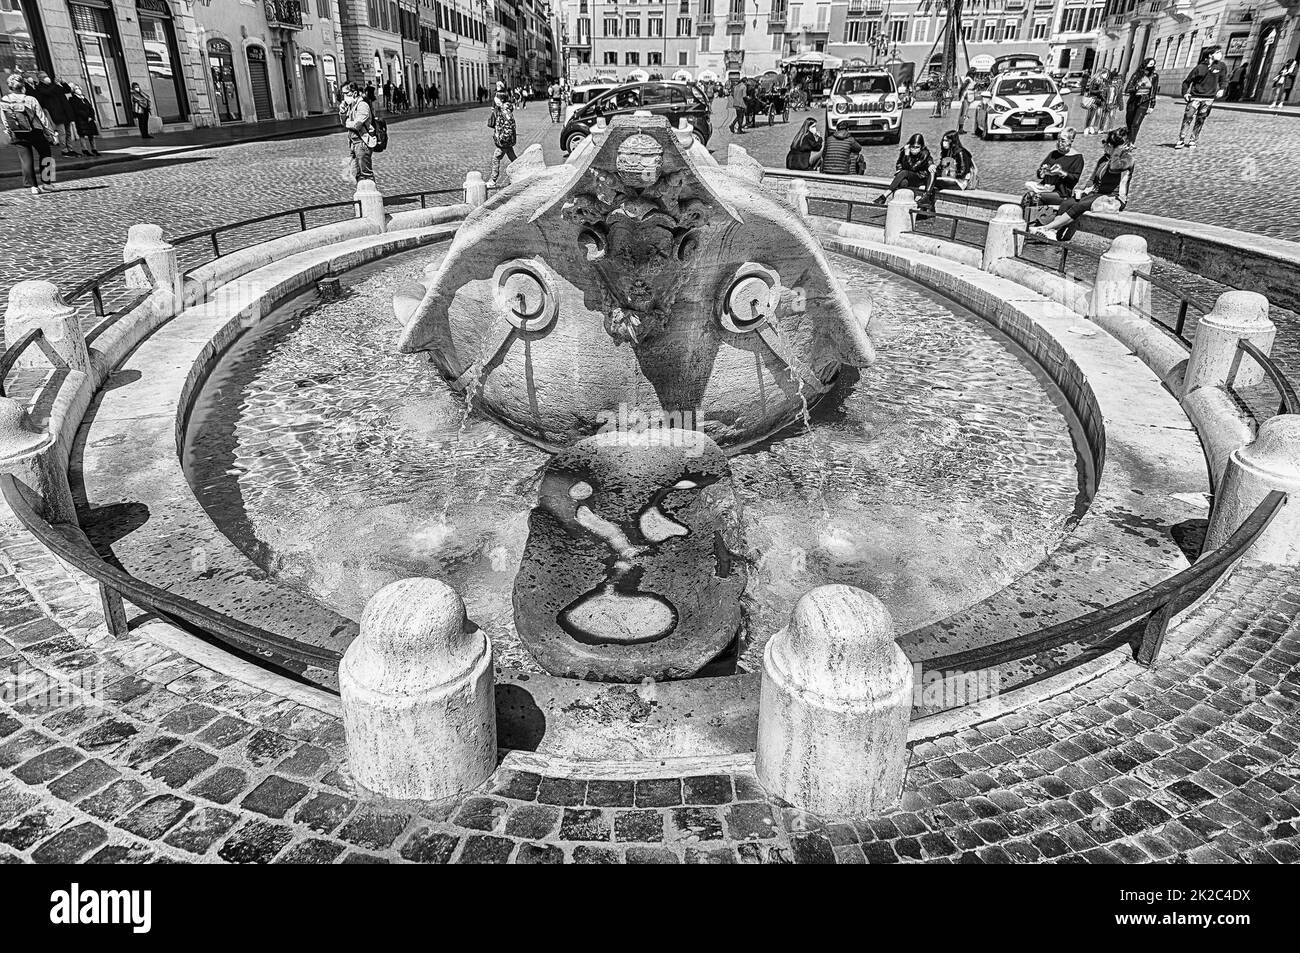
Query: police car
{"points": [[1021, 102], [866, 104]]}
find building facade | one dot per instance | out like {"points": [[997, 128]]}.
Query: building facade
{"points": [[1075, 32], [203, 63], [466, 33], [613, 40], [1257, 40]]}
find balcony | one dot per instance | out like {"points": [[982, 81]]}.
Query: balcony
{"points": [[1242, 15], [285, 14], [1150, 10], [705, 26], [735, 22], [776, 21]]}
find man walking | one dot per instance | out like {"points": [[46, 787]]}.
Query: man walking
{"points": [[1207, 82], [141, 106], [359, 122], [434, 93], [737, 98], [504, 134]]}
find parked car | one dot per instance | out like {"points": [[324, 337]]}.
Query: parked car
{"points": [[867, 104], [582, 94], [1021, 103], [1017, 61], [677, 101], [1073, 81]]}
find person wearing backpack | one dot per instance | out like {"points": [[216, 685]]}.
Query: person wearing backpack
{"points": [[504, 135], [362, 139], [29, 129]]}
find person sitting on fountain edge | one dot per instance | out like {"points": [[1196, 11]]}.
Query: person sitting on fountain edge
{"points": [[954, 169], [842, 154], [1107, 190]]}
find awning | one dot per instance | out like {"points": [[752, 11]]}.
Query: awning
{"points": [[813, 58], [707, 76], [682, 76], [638, 76]]}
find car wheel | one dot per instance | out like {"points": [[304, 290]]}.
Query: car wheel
{"points": [[699, 137], [575, 137]]}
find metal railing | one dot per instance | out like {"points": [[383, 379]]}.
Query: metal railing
{"points": [[1158, 604], [954, 224], [409, 198], [95, 285], [872, 214], [1183, 299], [1288, 403], [213, 234], [71, 545], [16, 349], [1026, 239]]}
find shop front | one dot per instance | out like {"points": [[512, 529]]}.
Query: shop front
{"points": [[225, 89], [22, 40], [100, 49], [162, 59]]}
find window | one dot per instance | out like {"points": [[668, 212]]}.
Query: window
{"points": [[795, 9], [584, 29], [990, 30], [1040, 29], [865, 86], [611, 26], [632, 58], [853, 31], [704, 42], [898, 31], [633, 26], [611, 58], [921, 31], [654, 58], [683, 26], [372, 12], [778, 42], [1011, 30], [655, 26], [323, 9], [683, 58]]}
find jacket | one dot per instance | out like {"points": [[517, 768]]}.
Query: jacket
{"points": [[838, 156], [1131, 87], [801, 150], [37, 116], [357, 120], [1206, 80]]}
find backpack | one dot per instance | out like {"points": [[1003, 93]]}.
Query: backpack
{"points": [[17, 119], [379, 129]]}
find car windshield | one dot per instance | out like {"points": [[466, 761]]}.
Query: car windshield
{"points": [[864, 85], [619, 99], [1026, 86]]}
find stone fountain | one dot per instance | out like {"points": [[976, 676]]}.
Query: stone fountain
{"points": [[635, 311]]}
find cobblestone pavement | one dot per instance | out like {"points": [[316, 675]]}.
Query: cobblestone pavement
{"points": [[1236, 177], [1193, 761]]}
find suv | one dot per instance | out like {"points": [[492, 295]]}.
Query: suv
{"points": [[867, 104], [677, 101], [1021, 103]]}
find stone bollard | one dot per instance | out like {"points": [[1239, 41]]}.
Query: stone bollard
{"points": [[1000, 241], [23, 454], [372, 203], [798, 196], [1235, 315], [146, 241], [1272, 462], [419, 706], [38, 304], [898, 215], [834, 706], [475, 189], [1114, 285]]}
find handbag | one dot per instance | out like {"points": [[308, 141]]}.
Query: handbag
{"points": [[1108, 203], [492, 119]]}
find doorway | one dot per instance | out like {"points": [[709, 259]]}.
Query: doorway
{"points": [[261, 81], [102, 62], [221, 64], [310, 82], [162, 59], [1262, 69]]}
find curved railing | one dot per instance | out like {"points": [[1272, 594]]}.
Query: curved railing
{"points": [[1158, 604], [213, 234]]}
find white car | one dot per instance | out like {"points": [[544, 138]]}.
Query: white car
{"points": [[1021, 103], [583, 94], [867, 104]]}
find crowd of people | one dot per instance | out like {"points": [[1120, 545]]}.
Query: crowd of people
{"points": [[39, 114]]}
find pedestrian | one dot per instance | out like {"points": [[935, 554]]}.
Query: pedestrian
{"points": [[1107, 190], [83, 118], [913, 170], [1142, 88], [504, 136], [419, 96], [953, 169], [388, 96], [1237, 84], [751, 103], [435, 94], [141, 106], [805, 148], [1111, 95], [358, 119], [1057, 177], [1205, 84], [1093, 101], [30, 130], [554, 95], [737, 99], [840, 153], [1283, 83], [972, 87], [53, 98]]}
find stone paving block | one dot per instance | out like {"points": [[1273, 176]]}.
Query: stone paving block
{"points": [[324, 811], [480, 814], [565, 792], [155, 816], [23, 746], [658, 792], [539, 854], [222, 785], [697, 823], [584, 824], [601, 793], [708, 789], [122, 854], [643, 826], [265, 747], [112, 802], [70, 845], [532, 821], [486, 849], [256, 842], [188, 718], [182, 766], [83, 779], [201, 829], [650, 855], [374, 829], [307, 761], [311, 851], [428, 845], [517, 785], [274, 796], [224, 732], [48, 765]]}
